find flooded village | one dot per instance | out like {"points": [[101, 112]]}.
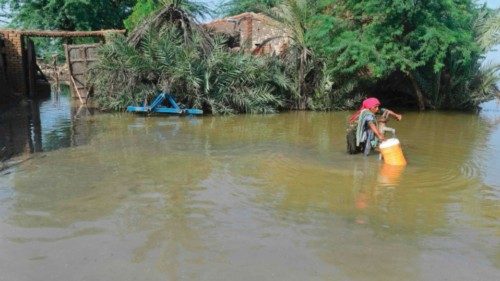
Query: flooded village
{"points": [[160, 145], [22, 75]]}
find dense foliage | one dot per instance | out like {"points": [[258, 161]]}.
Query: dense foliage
{"points": [[312, 86], [429, 53], [141, 10], [426, 54], [68, 15], [234, 7], [218, 81], [430, 45], [294, 16], [144, 8]]}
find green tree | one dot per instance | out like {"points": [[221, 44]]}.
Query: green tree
{"points": [[144, 8], [235, 7], [294, 15], [483, 84], [488, 28], [432, 43], [68, 14]]}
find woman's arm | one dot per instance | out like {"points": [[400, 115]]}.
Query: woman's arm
{"points": [[395, 115], [376, 131]]}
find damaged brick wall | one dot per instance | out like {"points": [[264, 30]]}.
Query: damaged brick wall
{"points": [[267, 29], [14, 68], [3, 78], [253, 31]]}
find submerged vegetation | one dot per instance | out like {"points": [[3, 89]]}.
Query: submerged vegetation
{"points": [[170, 52], [215, 79], [433, 47], [426, 54], [180, 58]]}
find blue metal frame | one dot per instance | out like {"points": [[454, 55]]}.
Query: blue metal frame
{"points": [[157, 107]]}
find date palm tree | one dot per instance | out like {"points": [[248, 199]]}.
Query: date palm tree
{"points": [[295, 15], [215, 79], [173, 13], [144, 9], [488, 37]]}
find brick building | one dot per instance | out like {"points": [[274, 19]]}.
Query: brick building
{"points": [[252, 32], [18, 65], [4, 85], [11, 66]]}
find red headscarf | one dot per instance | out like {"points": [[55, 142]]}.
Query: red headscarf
{"points": [[367, 104]]}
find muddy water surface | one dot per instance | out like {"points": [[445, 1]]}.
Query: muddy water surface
{"points": [[122, 197]]}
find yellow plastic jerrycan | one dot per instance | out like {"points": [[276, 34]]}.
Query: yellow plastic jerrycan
{"points": [[392, 153], [390, 174]]}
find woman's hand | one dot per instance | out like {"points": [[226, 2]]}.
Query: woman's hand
{"points": [[375, 130], [395, 115]]}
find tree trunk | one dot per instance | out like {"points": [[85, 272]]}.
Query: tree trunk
{"points": [[417, 92], [302, 90], [438, 100]]}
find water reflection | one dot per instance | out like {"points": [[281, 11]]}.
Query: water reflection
{"points": [[390, 175], [250, 198], [44, 125]]}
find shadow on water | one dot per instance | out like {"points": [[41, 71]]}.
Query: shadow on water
{"points": [[43, 125]]}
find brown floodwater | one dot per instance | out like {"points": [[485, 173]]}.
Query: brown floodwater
{"points": [[87, 196]]}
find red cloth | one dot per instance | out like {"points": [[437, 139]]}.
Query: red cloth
{"points": [[367, 104]]}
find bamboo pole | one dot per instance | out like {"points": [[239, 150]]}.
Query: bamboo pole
{"points": [[56, 73], [76, 89], [67, 34]]}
